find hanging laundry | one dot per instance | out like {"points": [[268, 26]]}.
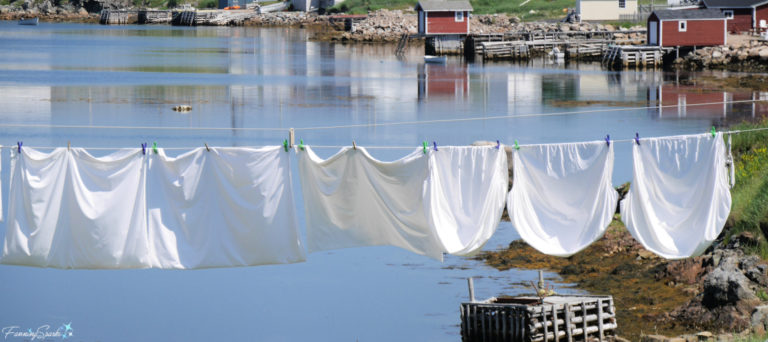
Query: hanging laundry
{"points": [[467, 192], [679, 199], [562, 199], [69, 209], [450, 201], [354, 200], [1, 186], [223, 207]]}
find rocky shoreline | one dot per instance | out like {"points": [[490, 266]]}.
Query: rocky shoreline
{"points": [[749, 56]]}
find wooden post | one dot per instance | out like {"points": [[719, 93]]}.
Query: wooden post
{"points": [[554, 323], [471, 290], [291, 138], [584, 319], [544, 321], [600, 319], [568, 328]]}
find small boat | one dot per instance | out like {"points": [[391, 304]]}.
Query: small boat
{"points": [[556, 54], [30, 21], [435, 59]]}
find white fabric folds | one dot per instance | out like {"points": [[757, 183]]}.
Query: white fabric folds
{"points": [[449, 201], [467, 192], [69, 209], [679, 198], [562, 199], [223, 207]]}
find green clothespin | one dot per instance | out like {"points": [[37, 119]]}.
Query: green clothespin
{"points": [[285, 145], [301, 144], [424, 144], [154, 147], [713, 131], [517, 147]]}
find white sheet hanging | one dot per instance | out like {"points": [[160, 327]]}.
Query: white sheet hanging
{"points": [[68, 209], [1, 184], [679, 199], [562, 199], [467, 192], [354, 200], [226, 207]]}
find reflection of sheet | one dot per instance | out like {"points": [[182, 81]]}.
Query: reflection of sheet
{"points": [[679, 198], [223, 207], [33, 104], [562, 199], [68, 209]]}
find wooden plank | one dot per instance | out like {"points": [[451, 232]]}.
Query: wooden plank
{"points": [[545, 322], [584, 321], [569, 333], [554, 322]]}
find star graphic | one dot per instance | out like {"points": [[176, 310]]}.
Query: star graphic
{"points": [[68, 326], [29, 330]]}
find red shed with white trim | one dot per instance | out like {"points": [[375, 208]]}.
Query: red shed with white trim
{"points": [[438, 17], [742, 15], [696, 27]]}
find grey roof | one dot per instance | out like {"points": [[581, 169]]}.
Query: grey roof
{"points": [[733, 3], [689, 14], [444, 5]]}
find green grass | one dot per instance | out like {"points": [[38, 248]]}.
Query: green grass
{"points": [[749, 211]]}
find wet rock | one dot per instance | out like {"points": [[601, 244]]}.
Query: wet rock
{"points": [[653, 338]]}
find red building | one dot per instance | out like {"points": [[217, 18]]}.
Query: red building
{"points": [[698, 27], [440, 17], [742, 15]]}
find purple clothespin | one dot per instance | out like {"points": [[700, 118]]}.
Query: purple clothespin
{"points": [[637, 138], [434, 143], [19, 143], [608, 140], [498, 144], [143, 148]]}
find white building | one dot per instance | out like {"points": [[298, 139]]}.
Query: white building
{"points": [[605, 9]]}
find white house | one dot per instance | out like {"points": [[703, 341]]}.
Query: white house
{"points": [[605, 9]]}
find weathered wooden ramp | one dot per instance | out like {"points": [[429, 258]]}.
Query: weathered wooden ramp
{"points": [[529, 319], [634, 56]]}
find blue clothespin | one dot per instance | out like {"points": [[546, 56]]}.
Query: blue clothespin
{"points": [[713, 131], [143, 148], [608, 139], [301, 144], [424, 144], [637, 138], [434, 143], [498, 144], [517, 147], [285, 145], [19, 143], [154, 147]]}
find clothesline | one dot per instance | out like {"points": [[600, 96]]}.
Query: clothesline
{"points": [[397, 123], [373, 147]]}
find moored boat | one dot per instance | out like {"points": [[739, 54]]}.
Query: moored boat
{"points": [[29, 21], [435, 59]]}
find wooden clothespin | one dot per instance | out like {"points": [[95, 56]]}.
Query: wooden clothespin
{"points": [[207, 148], [69, 147], [354, 146]]}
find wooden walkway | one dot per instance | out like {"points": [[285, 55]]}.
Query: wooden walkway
{"points": [[634, 56]]}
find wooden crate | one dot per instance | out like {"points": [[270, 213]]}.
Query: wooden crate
{"points": [[528, 319]]}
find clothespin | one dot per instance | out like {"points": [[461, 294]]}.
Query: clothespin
{"points": [[498, 144], [301, 144], [608, 140], [285, 145], [424, 144], [69, 147], [207, 148], [354, 146], [434, 143], [517, 147], [637, 138], [713, 131], [143, 148], [154, 147], [19, 143]]}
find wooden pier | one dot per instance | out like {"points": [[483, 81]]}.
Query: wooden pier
{"points": [[155, 16], [634, 56], [118, 17], [531, 319]]}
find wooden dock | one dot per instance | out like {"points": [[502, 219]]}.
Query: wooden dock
{"points": [[634, 56], [118, 17], [531, 319], [155, 16]]}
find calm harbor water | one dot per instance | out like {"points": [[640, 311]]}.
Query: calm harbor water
{"points": [[90, 75]]}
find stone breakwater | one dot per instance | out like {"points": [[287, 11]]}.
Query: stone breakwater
{"points": [[749, 55], [389, 25]]}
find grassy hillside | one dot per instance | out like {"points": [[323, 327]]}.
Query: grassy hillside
{"points": [[524, 9], [749, 211]]}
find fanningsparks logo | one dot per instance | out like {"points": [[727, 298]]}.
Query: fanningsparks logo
{"points": [[42, 333]]}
